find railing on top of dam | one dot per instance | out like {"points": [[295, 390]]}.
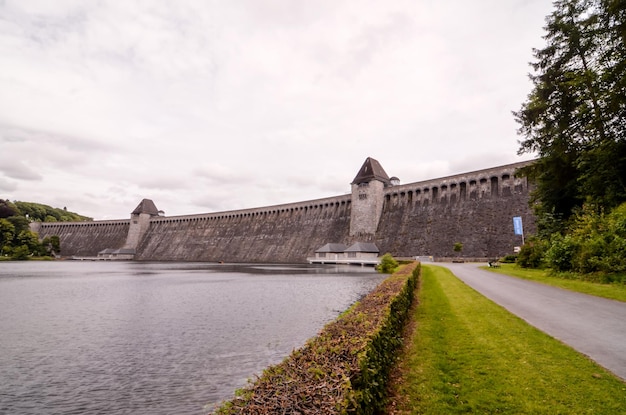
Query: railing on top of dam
{"points": [[62, 226], [305, 206]]}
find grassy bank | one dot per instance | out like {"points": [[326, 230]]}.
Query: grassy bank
{"points": [[468, 355], [611, 291]]}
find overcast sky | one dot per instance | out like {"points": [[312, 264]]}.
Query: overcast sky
{"points": [[205, 106]]}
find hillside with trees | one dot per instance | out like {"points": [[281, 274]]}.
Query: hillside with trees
{"points": [[575, 120], [17, 241]]}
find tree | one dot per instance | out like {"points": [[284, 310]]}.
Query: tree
{"points": [[30, 240], [7, 232], [44, 213], [20, 253], [16, 238], [575, 116], [51, 244], [457, 247], [6, 209], [55, 243], [20, 223], [387, 264]]}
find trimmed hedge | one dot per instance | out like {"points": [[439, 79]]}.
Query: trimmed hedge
{"points": [[344, 370]]}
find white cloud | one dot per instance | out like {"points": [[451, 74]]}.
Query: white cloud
{"points": [[206, 106]]}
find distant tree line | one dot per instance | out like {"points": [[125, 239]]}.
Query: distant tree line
{"points": [[43, 213], [17, 241], [575, 120]]}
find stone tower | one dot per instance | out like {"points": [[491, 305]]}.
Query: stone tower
{"points": [[139, 222], [367, 198]]}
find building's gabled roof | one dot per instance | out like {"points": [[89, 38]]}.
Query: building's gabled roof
{"points": [[371, 170], [363, 247], [146, 206], [332, 248], [127, 251]]}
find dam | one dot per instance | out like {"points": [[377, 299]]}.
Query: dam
{"points": [[416, 219]]}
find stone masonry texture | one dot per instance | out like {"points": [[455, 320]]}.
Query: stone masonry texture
{"points": [[423, 218]]}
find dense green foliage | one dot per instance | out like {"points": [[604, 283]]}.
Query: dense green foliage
{"points": [[388, 264], [468, 355], [575, 116], [595, 243], [575, 120], [509, 259], [457, 247], [17, 241], [44, 213], [345, 368], [532, 253]]}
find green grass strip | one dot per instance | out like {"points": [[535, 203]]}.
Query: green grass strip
{"points": [[469, 355], [611, 291]]}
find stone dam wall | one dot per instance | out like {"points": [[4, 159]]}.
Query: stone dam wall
{"points": [[476, 209], [85, 238], [285, 233], [423, 218]]}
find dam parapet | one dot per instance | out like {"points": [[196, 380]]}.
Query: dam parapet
{"points": [[492, 182]]}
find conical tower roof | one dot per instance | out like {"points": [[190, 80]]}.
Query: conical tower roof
{"points": [[371, 170], [146, 206]]}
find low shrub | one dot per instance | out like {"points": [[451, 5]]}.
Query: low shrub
{"points": [[387, 264], [508, 259], [345, 368], [561, 253], [531, 254]]}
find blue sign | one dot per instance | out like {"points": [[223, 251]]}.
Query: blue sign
{"points": [[517, 225]]}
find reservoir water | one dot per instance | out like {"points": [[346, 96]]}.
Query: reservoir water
{"points": [[155, 338]]}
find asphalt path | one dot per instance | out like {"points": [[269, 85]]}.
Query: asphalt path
{"points": [[592, 325]]}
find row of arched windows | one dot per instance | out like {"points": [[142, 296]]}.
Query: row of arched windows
{"points": [[494, 186]]}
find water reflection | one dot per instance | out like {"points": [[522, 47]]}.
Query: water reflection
{"points": [[158, 338]]}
